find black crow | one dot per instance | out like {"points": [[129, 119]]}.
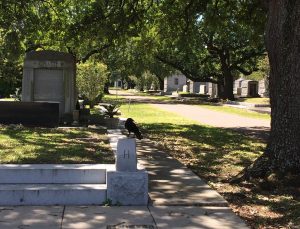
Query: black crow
{"points": [[132, 127]]}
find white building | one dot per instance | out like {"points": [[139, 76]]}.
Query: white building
{"points": [[174, 82]]}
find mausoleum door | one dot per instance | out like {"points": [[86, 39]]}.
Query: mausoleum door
{"points": [[252, 89], [49, 86]]}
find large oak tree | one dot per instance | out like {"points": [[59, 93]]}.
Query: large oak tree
{"points": [[283, 45]]}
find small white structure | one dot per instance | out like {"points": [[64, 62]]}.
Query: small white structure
{"points": [[237, 86], [263, 88], [245, 88], [212, 89], [249, 88], [208, 88], [185, 88], [127, 185], [49, 76], [194, 87], [174, 83], [203, 90]]}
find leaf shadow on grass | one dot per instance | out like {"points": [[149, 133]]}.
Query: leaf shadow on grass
{"points": [[45, 145], [206, 150], [284, 210]]}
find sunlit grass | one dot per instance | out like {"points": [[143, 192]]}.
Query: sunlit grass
{"points": [[212, 152], [44, 145], [7, 99], [216, 155], [255, 100]]}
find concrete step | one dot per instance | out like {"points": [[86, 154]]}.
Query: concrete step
{"points": [[52, 194], [54, 173]]}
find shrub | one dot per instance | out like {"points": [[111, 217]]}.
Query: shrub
{"points": [[91, 77]]}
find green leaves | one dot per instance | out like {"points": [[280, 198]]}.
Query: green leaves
{"points": [[91, 77]]}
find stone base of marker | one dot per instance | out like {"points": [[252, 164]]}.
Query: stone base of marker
{"points": [[128, 183], [127, 188]]}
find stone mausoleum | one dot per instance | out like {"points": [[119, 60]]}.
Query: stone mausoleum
{"points": [[49, 76]]}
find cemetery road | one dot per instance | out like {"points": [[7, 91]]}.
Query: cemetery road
{"points": [[249, 126]]}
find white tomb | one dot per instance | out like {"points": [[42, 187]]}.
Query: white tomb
{"points": [[202, 89], [49, 76]]}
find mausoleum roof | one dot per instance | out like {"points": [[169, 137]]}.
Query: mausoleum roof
{"points": [[49, 55]]}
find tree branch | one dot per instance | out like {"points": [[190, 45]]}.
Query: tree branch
{"points": [[189, 74], [92, 52], [244, 71], [246, 57]]}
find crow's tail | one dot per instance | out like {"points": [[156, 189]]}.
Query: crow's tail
{"points": [[138, 135]]}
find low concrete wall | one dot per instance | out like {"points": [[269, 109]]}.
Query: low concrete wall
{"points": [[29, 113]]}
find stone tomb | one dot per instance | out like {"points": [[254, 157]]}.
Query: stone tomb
{"points": [[128, 185], [49, 76]]}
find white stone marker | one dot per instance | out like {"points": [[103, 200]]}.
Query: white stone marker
{"points": [[202, 89], [126, 155], [127, 185], [185, 88]]}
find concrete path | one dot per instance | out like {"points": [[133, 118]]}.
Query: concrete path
{"points": [[171, 183], [179, 198], [99, 217]]}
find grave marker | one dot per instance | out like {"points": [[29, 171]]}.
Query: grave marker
{"points": [[126, 155]]}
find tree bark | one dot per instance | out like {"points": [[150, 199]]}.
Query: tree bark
{"points": [[228, 86], [227, 76], [283, 45], [106, 88]]}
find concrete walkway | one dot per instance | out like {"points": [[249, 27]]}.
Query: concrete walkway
{"points": [[99, 217]]}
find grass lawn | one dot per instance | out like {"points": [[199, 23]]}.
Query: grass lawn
{"points": [[217, 155], [23, 145], [121, 98], [237, 111], [7, 99], [255, 100], [226, 109]]}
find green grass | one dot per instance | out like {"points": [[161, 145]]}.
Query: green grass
{"points": [[23, 145], [8, 99], [211, 151], [237, 111], [122, 99], [255, 100], [216, 155]]}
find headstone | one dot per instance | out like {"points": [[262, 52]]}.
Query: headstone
{"points": [[127, 185], [126, 155], [185, 88], [202, 89]]}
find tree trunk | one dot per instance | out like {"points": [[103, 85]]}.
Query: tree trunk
{"points": [[228, 86], [227, 76], [106, 88], [161, 83], [283, 45]]}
